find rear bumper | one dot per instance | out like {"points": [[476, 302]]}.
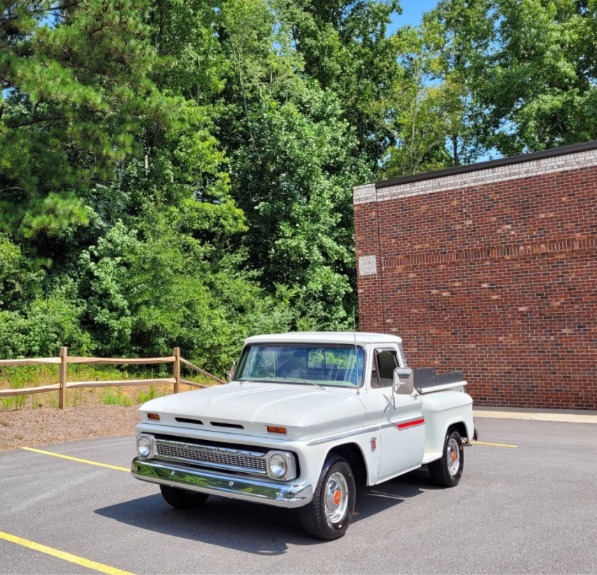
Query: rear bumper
{"points": [[223, 484]]}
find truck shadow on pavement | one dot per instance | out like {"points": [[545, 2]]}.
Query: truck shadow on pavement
{"points": [[373, 500], [250, 527]]}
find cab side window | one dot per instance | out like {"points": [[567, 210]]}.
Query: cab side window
{"points": [[386, 360]]}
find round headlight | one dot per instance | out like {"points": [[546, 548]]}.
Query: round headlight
{"points": [[144, 445], [278, 465]]}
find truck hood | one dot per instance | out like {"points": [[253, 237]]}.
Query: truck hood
{"points": [[247, 408]]}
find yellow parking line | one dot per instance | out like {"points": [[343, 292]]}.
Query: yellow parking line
{"points": [[77, 459], [63, 555], [495, 444]]}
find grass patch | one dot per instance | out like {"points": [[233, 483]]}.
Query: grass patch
{"points": [[116, 397], [152, 393], [37, 375], [23, 376]]}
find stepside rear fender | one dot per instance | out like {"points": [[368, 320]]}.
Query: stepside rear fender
{"points": [[443, 410]]}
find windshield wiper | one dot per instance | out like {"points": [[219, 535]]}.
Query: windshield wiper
{"points": [[297, 380], [282, 380]]}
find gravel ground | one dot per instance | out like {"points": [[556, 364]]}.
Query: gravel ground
{"points": [[47, 425]]}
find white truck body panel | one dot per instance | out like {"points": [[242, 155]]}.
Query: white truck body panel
{"points": [[303, 410]]}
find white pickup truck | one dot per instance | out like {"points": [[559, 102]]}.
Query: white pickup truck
{"points": [[305, 417]]}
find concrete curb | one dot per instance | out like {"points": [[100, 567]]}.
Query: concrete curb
{"points": [[562, 415]]}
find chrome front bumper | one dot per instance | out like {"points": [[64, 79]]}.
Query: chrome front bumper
{"points": [[226, 485]]}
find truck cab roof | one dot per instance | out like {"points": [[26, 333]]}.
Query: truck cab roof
{"points": [[331, 337]]}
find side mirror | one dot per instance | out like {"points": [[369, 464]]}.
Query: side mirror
{"points": [[403, 380], [230, 374]]}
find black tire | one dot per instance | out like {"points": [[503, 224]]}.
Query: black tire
{"points": [[329, 514], [182, 499], [447, 471]]}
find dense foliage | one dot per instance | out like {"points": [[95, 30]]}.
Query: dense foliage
{"points": [[180, 172]]}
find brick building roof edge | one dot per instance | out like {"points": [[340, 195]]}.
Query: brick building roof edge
{"points": [[489, 164]]}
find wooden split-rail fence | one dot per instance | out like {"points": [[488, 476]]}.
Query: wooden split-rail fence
{"points": [[64, 360]]}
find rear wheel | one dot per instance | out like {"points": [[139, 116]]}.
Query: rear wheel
{"points": [[447, 471], [329, 514], [182, 499]]}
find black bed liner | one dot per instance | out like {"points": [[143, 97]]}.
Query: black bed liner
{"points": [[426, 377]]}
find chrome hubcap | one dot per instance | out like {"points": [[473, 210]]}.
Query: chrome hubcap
{"points": [[453, 456], [336, 497]]}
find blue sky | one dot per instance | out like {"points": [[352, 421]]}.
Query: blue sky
{"points": [[412, 11]]}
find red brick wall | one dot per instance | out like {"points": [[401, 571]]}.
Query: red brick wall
{"points": [[498, 280]]}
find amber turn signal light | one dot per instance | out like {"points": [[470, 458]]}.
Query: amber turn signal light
{"points": [[154, 416], [276, 429]]}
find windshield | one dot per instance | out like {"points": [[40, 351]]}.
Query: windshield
{"points": [[316, 364]]}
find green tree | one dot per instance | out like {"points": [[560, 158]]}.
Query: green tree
{"points": [[295, 181], [543, 75], [293, 160], [420, 111], [346, 49], [152, 289], [19, 280], [529, 66], [435, 111], [74, 83]]}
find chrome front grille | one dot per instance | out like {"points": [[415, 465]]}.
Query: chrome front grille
{"points": [[218, 457]]}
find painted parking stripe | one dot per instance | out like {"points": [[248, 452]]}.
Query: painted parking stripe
{"points": [[89, 462], [100, 567], [494, 444]]}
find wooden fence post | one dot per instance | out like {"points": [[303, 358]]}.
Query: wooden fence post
{"points": [[63, 373], [176, 354]]}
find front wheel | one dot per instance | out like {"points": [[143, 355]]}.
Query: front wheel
{"points": [[329, 514], [182, 499], [447, 471]]}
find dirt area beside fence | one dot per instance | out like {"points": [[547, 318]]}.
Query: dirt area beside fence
{"points": [[48, 425]]}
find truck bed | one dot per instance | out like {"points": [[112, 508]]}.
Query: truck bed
{"points": [[427, 380]]}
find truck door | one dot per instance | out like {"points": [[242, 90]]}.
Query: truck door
{"points": [[402, 425]]}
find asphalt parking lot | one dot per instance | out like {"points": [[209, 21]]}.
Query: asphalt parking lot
{"points": [[526, 504]]}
